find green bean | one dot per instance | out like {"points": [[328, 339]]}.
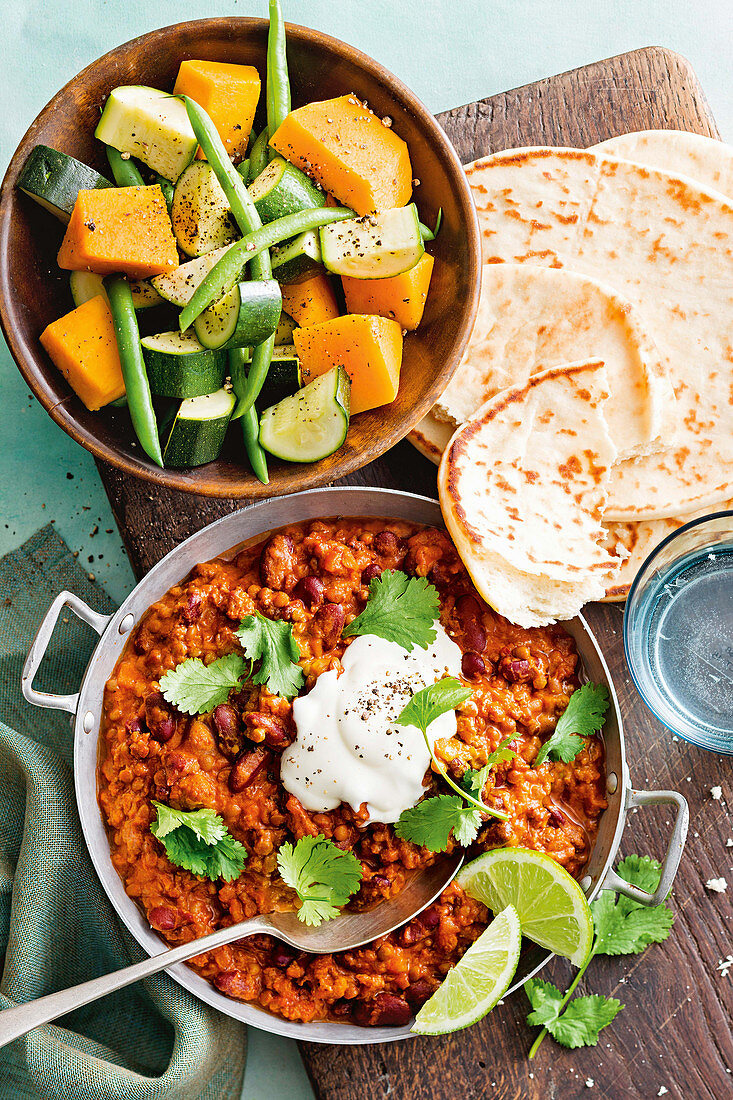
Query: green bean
{"points": [[243, 170], [250, 420], [228, 270], [258, 156], [167, 188], [126, 173], [278, 81], [431, 234], [133, 368]]}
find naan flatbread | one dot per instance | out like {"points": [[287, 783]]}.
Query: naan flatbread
{"points": [[531, 318], [667, 245], [704, 159], [522, 489]]}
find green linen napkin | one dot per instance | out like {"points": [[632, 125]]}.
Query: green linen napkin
{"points": [[57, 928]]}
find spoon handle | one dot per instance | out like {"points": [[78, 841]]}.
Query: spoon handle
{"points": [[16, 1021]]}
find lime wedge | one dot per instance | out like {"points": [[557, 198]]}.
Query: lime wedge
{"points": [[477, 982], [553, 910]]}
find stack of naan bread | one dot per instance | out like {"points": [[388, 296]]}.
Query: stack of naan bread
{"points": [[592, 412]]}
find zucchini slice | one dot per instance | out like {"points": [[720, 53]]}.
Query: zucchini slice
{"points": [[54, 179], [197, 433], [178, 366], [297, 258], [311, 424], [285, 329], [202, 220], [282, 189], [87, 284], [150, 125], [376, 246], [246, 316], [283, 378], [179, 286]]}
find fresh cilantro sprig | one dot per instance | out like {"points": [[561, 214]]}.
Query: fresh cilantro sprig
{"points": [[199, 842], [399, 609], [431, 821], [196, 688], [323, 876], [583, 716], [271, 642], [622, 927], [473, 780]]}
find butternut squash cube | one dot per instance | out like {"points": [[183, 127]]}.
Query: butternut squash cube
{"points": [[369, 348], [310, 301], [120, 229], [401, 297], [82, 344], [228, 93], [349, 151]]}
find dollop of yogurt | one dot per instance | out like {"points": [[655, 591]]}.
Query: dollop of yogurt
{"points": [[348, 746]]}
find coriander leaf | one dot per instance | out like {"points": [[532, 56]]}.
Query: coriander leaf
{"points": [[399, 609], [198, 841], [474, 780], [429, 703], [271, 642], [583, 1019], [196, 688], [430, 823], [206, 824], [624, 926], [546, 1000], [582, 717], [323, 876]]}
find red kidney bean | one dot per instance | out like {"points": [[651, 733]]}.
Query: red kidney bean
{"points": [[385, 1010], [387, 543], [474, 636], [228, 727], [192, 607], [370, 573], [159, 717], [133, 726], [468, 607], [418, 993], [342, 1009], [430, 917], [310, 591], [439, 575], [276, 735], [282, 956], [276, 562], [556, 818], [246, 767], [229, 982], [515, 671], [330, 620], [380, 882], [472, 664], [162, 918]]}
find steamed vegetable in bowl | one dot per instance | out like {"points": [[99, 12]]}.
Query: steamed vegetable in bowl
{"points": [[265, 256]]}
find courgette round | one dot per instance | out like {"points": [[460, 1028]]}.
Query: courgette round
{"points": [[178, 287], [85, 285], [54, 179], [284, 331], [311, 424], [197, 433], [200, 214], [282, 189], [297, 258], [244, 317], [377, 246], [179, 366]]}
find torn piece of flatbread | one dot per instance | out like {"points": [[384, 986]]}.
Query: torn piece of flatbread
{"points": [[531, 318], [704, 159], [522, 488]]}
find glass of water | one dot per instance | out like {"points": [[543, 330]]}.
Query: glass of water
{"points": [[678, 632]]}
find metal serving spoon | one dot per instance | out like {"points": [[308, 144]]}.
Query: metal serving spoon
{"points": [[341, 934]]}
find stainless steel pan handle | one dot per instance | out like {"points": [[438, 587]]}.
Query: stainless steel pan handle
{"points": [[40, 645], [636, 800]]}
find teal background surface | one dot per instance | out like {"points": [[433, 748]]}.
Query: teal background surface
{"points": [[450, 52]]}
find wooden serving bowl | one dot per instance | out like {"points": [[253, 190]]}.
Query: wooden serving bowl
{"points": [[33, 291]]}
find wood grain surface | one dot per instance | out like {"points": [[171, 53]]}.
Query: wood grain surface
{"points": [[675, 1032]]}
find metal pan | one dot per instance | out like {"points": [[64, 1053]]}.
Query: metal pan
{"points": [[252, 524]]}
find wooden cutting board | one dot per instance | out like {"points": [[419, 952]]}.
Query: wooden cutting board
{"points": [[675, 1032]]}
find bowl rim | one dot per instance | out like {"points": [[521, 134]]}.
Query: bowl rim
{"points": [[27, 355], [300, 507]]}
